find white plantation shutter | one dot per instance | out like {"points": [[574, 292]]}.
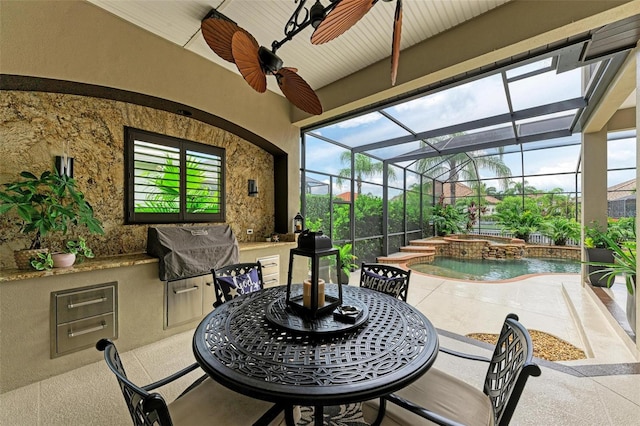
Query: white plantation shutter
{"points": [[172, 180]]}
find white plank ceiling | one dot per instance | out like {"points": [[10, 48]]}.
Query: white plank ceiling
{"points": [[367, 42]]}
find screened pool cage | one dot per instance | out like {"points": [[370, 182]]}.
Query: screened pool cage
{"points": [[373, 179]]}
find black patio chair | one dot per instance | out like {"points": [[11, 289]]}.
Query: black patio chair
{"points": [[233, 280], [203, 402], [386, 279], [446, 400]]}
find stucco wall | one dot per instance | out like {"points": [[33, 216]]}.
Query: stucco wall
{"points": [[34, 126]]}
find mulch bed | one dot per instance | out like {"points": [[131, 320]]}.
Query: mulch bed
{"points": [[545, 346]]}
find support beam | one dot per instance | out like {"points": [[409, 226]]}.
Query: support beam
{"points": [[594, 181]]}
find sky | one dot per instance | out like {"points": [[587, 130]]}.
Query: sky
{"points": [[470, 101]]}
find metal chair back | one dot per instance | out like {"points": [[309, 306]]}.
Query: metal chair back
{"points": [[145, 408], [386, 279], [235, 270], [509, 368]]}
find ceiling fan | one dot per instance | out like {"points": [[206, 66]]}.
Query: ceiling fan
{"points": [[345, 14], [234, 44]]}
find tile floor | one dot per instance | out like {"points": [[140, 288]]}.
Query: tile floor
{"points": [[601, 390]]}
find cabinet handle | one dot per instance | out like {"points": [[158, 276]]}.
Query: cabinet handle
{"points": [[88, 330], [88, 302], [272, 280], [186, 290], [269, 265]]}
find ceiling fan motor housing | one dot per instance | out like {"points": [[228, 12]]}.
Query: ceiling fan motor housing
{"points": [[270, 61]]}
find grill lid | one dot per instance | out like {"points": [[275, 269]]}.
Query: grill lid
{"points": [[191, 251]]}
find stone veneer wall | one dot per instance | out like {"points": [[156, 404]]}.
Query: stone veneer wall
{"points": [[504, 251], [556, 252], [34, 126]]}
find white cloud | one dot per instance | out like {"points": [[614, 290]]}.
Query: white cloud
{"points": [[359, 121]]}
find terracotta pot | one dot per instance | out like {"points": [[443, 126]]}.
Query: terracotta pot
{"points": [[63, 260], [23, 257]]}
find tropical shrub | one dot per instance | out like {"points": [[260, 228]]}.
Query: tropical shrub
{"points": [[448, 219], [618, 230], [561, 229], [520, 220], [594, 236]]}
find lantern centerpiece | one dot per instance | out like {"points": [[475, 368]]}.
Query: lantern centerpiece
{"points": [[314, 264]]}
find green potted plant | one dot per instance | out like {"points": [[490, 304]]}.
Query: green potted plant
{"points": [[597, 252], [75, 251], [347, 261], [46, 204], [623, 264]]}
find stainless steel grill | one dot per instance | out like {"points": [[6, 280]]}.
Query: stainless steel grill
{"points": [[187, 255]]}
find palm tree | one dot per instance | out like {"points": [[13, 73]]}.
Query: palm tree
{"points": [[364, 167], [520, 188], [462, 166]]}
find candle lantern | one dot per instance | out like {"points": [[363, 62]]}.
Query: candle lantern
{"points": [[314, 264], [298, 223]]}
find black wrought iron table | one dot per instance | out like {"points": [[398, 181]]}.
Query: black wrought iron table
{"points": [[238, 346]]}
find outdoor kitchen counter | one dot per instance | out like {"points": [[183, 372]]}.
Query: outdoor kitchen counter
{"points": [[26, 309], [119, 261], [107, 262]]}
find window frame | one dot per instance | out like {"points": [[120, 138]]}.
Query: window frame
{"points": [[183, 145]]}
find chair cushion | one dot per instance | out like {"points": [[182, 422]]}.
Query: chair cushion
{"points": [[391, 286], [233, 286], [443, 394], [210, 403]]}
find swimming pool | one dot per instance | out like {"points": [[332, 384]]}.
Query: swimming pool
{"points": [[493, 270]]}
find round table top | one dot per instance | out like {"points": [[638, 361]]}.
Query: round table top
{"points": [[237, 346]]}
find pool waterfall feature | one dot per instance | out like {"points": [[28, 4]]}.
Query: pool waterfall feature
{"points": [[471, 246]]}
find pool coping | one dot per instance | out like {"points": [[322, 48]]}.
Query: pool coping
{"points": [[408, 263]]}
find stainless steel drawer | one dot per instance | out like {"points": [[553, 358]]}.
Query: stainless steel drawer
{"points": [[270, 265], [183, 300], [84, 303], [271, 279], [84, 333]]}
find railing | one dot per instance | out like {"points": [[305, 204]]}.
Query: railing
{"points": [[534, 238]]}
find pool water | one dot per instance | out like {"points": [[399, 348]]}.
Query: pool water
{"points": [[492, 270]]}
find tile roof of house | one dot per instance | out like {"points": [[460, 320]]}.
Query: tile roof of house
{"points": [[621, 190]]}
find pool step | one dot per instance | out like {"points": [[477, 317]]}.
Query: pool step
{"points": [[406, 258], [418, 249], [410, 255], [427, 242]]}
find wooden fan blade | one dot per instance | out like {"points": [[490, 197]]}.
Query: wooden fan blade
{"points": [[298, 91], [245, 55], [340, 19], [218, 34], [395, 46]]}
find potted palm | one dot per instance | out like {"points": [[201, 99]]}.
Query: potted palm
{"points": [[46, 204], [623, 264], [597, 253]]}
